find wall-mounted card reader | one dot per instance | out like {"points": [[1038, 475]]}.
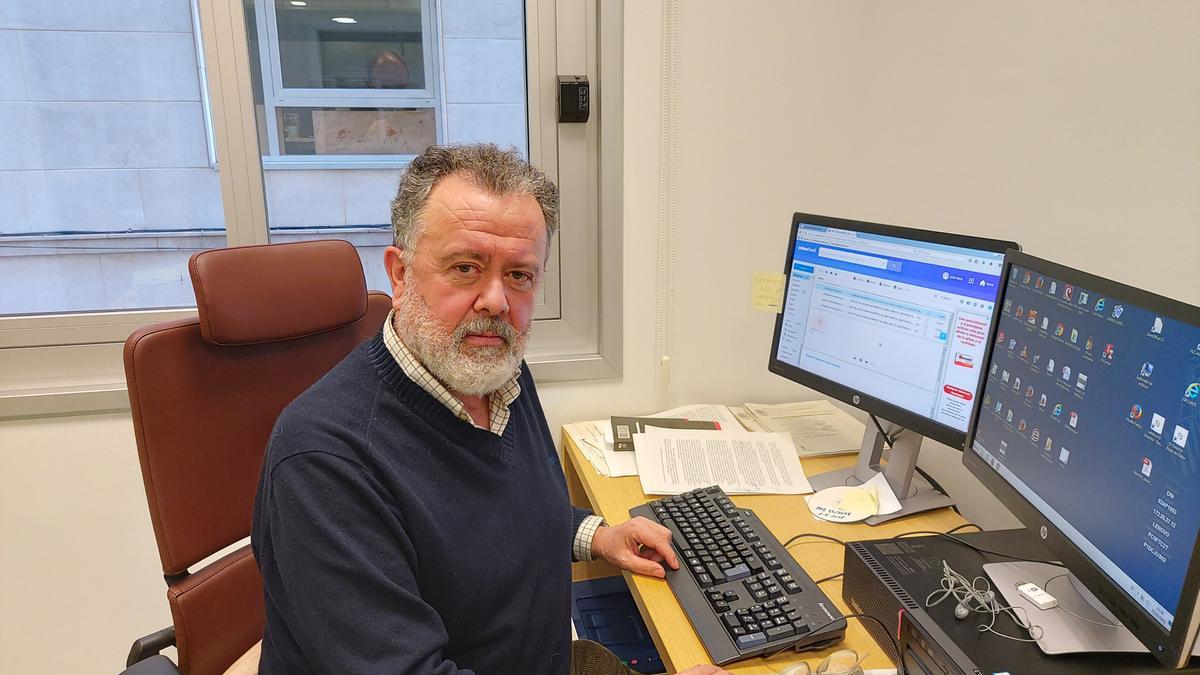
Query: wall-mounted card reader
{"points": [[574, 98]]}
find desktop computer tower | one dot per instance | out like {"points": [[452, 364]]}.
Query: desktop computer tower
{"points": [[891, 579]]}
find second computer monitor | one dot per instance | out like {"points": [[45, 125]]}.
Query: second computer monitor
{"points": [[891, 320]]}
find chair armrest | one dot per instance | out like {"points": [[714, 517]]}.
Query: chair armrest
{"points": [[155, 665], [145, 647]]}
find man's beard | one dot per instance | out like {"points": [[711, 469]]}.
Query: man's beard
{"points": [[472, 370]]}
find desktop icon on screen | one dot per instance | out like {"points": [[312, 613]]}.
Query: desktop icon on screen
{"points": [[1083, 297], [1068, 291], [1045, 322], [1157, 422], [1058, 409], [1025, 279], [1081, 383], [1118, 311], [1049, 444], [1042, 401], [1107, 354], [1135, 413], [1032, 317], [1059, 330], [1180, 437], [1100, 305], [1009, 416], [1035, 435], [1087, 345], [1147, 369], [1156, 329], [1053, 288], [1192, 392], [1041, 281], [1063, 454], [1050, 366], [1066, 373], [1020, 312], [1073, 419], [1074, 335], [1147, 465]]}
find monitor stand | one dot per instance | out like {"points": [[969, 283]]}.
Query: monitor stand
{"points": [[1063, 633], [914, 492]]}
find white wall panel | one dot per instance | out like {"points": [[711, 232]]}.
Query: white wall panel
{"points": [[127, 15], [87, 66]]}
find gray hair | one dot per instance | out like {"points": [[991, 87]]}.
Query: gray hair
{"points": [[499, 172]]}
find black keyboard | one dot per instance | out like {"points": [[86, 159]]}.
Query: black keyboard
{"points": [[743, 592]]}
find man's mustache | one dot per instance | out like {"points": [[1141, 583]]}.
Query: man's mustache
{"points": [[487, 324]]}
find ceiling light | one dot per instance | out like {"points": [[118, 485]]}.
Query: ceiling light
{"points": [[343, 19], [298, 3]]}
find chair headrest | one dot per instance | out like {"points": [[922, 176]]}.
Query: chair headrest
{"points": [[269, 293]]}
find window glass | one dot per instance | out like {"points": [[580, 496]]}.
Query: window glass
{"points": [[107, 182], [355, 131], [357, 96], [376, 44]]}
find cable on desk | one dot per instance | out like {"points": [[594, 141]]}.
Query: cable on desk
{"points": [[831, 577], [886, 631], [793, 540], [979, 549]]}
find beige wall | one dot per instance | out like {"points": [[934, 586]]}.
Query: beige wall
{"points": [[1069, 126]]}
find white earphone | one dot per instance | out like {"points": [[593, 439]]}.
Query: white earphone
{"points": [[976, 596]]}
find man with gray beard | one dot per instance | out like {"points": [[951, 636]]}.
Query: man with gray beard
{"points": [[412, 514]]}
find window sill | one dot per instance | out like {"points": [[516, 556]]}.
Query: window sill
{"points": [[104, 397]]}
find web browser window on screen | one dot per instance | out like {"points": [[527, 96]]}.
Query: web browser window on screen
{"points": [[900, 320]]}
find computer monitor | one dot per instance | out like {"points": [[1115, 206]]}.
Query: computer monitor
{"points": [[1089, 432], [893, 321]]}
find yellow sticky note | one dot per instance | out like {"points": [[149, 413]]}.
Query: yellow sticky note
{"points": [[768, 291]]}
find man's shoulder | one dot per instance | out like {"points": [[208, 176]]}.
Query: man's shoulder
{"points": [[328, 415]]}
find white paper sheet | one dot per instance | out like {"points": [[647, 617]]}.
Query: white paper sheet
{"points": [[673, 461], [589, 438], [887, 497], [707, 412], [817, 427]]}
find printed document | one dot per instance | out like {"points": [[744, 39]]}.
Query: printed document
{"points": [[816, 427], [674, 461]]}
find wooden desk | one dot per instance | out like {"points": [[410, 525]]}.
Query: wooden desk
{"points": [[785, 515]]}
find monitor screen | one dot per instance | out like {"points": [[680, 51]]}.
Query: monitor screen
{"points": [[892, 320], [1090, 413]]}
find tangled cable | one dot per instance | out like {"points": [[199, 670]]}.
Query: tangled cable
{"points": [[976, 595]]}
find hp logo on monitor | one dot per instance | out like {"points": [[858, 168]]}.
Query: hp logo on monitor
{"points": [[855, 399], [1044, 532]]}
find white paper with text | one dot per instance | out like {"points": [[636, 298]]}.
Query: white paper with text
{"points": [[673, 461]]}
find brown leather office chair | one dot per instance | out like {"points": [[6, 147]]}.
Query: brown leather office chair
{"points": [[204, 394]]}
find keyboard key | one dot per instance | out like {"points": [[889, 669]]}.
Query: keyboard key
{"points": [[731, 621], [751, 641], [736, 572], [780, 632]]}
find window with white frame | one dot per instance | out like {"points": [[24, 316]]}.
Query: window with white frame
{"points": [[115, 172]]}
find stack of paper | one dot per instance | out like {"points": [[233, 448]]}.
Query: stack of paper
{"points": [[816, 427]]}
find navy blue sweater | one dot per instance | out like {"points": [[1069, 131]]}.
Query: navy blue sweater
{"points": [[395, 538]]}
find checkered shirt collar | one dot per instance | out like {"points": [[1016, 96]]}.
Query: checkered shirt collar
{"points": [[498, 401]]}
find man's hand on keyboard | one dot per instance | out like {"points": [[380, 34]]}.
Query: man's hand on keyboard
{"points": [[705, 670], [638, 545]]}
